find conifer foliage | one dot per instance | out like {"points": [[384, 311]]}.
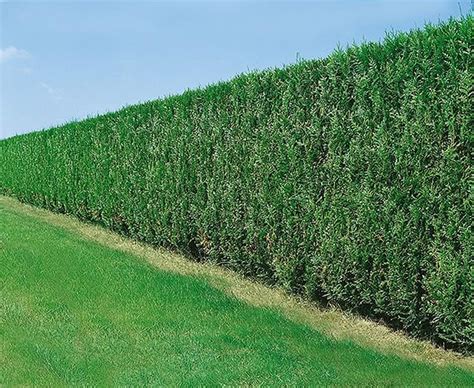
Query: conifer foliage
{"points": [[345, 179]]}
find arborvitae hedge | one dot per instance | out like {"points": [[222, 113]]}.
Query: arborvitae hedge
{"points": [[346, 179]]}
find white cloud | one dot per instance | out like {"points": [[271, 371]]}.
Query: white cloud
{"points": [[26, 70], [13, 53], [48, 88], [54, 93]]}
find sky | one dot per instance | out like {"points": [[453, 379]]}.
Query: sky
{"points": [[67, 60]]}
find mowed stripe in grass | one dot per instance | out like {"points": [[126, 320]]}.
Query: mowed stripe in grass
{"points": [[74, 311]]}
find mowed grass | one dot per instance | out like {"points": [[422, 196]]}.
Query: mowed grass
{"points": [[73, 311]]}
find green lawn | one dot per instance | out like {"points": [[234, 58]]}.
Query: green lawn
{"points": [[76, 312]]}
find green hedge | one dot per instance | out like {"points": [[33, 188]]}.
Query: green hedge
{"points": [[345, 179]]}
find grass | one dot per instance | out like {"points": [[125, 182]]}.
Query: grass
{"points": [[76, 311]]}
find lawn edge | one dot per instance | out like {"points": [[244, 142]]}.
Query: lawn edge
{"points": [[331, 322]]}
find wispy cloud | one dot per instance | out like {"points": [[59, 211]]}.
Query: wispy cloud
{"points": [[54, 93], [13, 53], [26, 70]]}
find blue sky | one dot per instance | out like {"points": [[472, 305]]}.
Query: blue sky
{"points": [[68, 60]]}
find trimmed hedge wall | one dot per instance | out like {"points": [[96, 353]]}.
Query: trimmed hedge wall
{"points": [[345, 179]]}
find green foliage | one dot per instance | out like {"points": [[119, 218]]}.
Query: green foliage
{"points": [[87, 315], [344, 179]]}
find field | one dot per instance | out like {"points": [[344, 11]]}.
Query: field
{"points": [[80, 305]]}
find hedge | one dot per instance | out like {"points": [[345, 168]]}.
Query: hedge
{"points": [[346, 179]]}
